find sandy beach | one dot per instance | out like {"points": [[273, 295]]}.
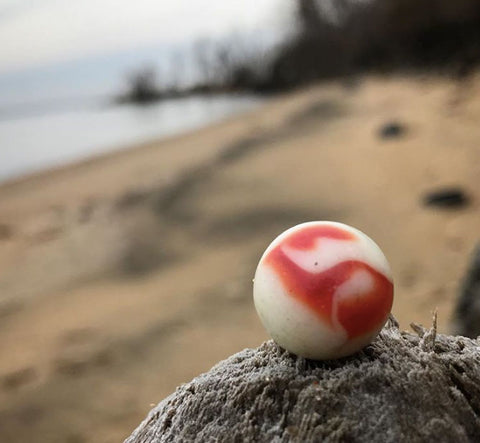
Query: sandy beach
{"points": [[126, 275]]}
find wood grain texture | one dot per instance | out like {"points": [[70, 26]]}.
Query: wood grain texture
{"points": [[403, 387]]}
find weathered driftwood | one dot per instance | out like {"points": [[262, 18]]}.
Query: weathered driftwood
{"points": [[403, 387]]}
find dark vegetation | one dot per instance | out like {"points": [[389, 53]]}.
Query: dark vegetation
{"points": [[467, 312], [368, 36], [380, 36], [142, 87]]}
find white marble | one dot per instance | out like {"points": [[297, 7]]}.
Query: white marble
{"points": [[296, 322]]}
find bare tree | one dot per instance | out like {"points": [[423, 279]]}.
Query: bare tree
{"points": [[143, 85]]}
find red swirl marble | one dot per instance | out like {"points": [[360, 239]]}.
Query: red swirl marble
{"points": [[323, 290]]}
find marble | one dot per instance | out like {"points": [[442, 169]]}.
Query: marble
{"points": [[323, 290]]}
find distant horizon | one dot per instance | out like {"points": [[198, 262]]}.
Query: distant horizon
{"points": [[98, 75], [95, 27], [81, 76]]}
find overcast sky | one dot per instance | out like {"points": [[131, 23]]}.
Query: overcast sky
{"points": [[37, 32]]}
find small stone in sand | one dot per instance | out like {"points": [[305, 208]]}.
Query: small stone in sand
{"points": [[391, 130], [447, 198]]}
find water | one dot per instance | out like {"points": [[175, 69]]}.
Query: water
{"points": [[48, 137]]}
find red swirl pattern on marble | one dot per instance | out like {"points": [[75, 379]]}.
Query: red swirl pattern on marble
{"points": [[359, 314]]}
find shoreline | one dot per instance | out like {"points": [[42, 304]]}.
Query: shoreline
{"points": [[119, 151], [226, 129], [76, 137]]}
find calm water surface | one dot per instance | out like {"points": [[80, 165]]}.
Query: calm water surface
{"points": [[29, 143]]}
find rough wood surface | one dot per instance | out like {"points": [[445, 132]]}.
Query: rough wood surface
{"points": [[403, 387]]}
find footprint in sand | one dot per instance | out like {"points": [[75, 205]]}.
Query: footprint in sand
{"points": [[16, 379], [79, 353], [6, 231]]}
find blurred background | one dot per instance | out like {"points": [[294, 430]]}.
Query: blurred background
{"points": [[151, 150]]}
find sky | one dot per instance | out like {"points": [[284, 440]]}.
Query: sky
{"points": [[41, 32]]}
